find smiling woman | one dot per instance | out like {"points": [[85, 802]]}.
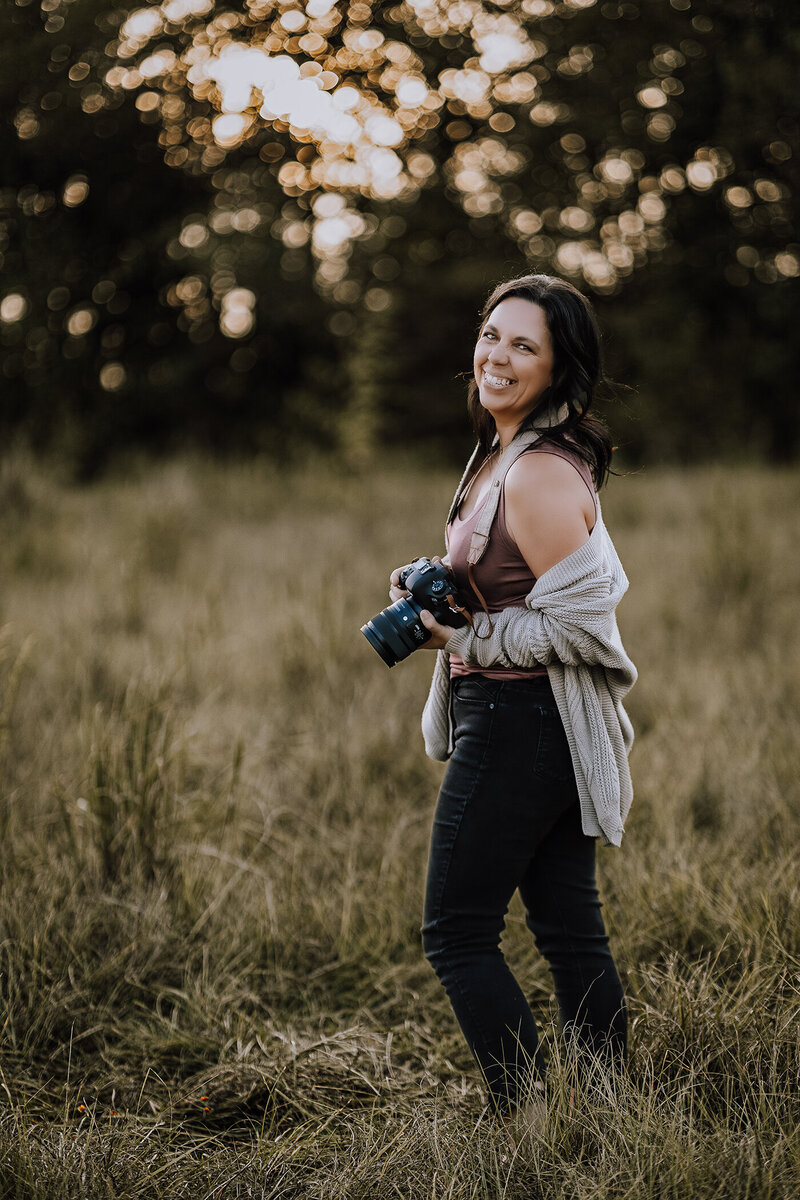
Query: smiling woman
{"points": [[526, 699]]}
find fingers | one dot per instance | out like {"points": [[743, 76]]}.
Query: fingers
{"points": [[440, 634], [430, 622], [395, 591]]}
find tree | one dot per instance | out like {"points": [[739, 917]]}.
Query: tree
{"points": [[399, 157]]}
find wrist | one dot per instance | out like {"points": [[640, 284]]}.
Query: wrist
{"points": [[459, 641]]}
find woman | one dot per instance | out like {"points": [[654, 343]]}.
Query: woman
{"points": [[526, 700]]}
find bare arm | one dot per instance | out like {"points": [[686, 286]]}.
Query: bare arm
{"points": [[549, 511]]}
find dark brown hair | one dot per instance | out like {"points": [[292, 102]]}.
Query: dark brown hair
{"points": [[577, 370]]}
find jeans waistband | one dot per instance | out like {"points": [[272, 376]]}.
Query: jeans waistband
{"points": [[538, 687]]}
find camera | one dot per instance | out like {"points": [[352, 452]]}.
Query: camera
{"points": [[397, 631]]}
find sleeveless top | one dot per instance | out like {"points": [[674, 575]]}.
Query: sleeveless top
{"points": [[502, 574]]}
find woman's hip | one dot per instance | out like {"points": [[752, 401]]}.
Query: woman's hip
{"points": [[509, 734]]}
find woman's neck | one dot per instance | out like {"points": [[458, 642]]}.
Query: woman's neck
{"points": [[506, 434]]}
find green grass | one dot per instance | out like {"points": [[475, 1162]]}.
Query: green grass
{"points": [[214, 810]]}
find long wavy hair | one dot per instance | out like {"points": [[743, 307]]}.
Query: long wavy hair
{"points": [[577, 370]]}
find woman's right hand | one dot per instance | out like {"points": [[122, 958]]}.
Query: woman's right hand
{"points": [[396, 592]]}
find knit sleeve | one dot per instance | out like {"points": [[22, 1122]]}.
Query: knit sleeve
{"points": [[561, 623], [516, 637], [436, 714]]}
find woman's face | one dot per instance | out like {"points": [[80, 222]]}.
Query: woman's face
{"points": [[513, 360]]}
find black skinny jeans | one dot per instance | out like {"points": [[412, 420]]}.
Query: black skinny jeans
{"points": [[508, 817]]}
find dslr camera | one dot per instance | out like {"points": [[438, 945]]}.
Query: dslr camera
{"points": [[398, 631]]}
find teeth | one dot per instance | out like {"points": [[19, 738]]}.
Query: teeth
{"points": [[495, 380]]}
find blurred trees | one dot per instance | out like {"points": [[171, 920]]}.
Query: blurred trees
{"points": [[255, 225]]}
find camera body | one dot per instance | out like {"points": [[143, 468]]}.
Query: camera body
{"points": [[398, 631]]}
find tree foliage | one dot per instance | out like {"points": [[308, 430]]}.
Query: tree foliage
{"points": [[248, 225]]}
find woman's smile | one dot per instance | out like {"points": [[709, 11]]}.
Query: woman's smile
{"points": [[496, 381]]}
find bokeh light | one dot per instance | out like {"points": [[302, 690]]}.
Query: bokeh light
{"points": [[76, 190], [80, 321], [113, 376], [353, 107], [13, 307], [237, 317]]}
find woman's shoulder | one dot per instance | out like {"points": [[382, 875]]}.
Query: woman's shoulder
{"points": [[554, 463], [566, 450], [549, 462], [547, 485]]}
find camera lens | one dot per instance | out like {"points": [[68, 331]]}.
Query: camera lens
{"points": [[396, 632]]}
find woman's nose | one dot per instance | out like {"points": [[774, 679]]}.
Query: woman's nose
{"points": [[497, 353]]}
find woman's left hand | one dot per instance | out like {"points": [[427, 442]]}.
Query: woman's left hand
{"points": [[440, 634]]}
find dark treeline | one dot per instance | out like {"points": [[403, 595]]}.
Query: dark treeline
{"points": [[270, 225]]}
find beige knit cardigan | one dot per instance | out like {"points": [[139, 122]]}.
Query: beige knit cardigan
{"points": [[569, 625]]}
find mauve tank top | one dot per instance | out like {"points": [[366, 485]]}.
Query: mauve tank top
{"points": [[502, 575]]}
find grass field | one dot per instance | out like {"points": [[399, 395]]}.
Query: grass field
{"points": [[214, 810]]}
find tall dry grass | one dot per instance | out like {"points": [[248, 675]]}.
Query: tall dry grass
{"points": [[214, 809]]}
